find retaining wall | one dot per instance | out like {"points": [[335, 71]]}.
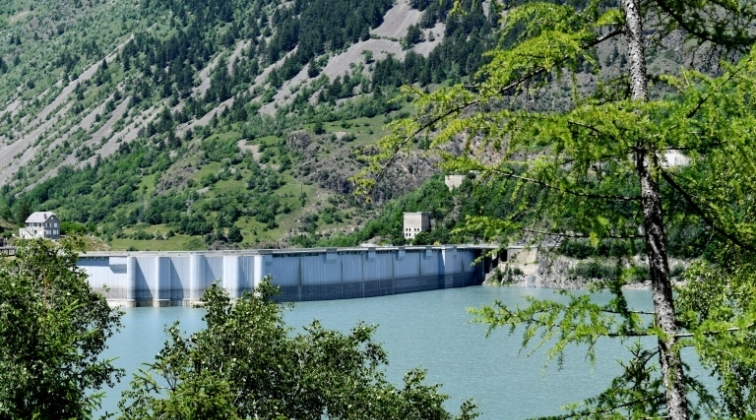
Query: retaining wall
{"points": [[180, 278]]}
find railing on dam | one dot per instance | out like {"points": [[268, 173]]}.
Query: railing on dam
{"points": [[180, 278]]}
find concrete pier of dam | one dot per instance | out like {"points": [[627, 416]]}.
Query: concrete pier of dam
{"points": [[180, 278]]}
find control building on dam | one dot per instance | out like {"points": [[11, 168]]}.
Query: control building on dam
{"points": [[180, 278]]}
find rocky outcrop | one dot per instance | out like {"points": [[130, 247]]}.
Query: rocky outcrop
{"points": [[298, 140], [560, 272]]}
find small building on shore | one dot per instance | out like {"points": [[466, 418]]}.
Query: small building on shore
{"points": [[41, 224], [415, 223]]}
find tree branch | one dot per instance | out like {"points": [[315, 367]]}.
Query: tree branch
{"points": [[467, 104], [597, 413], [629, 334], [703, 100], [562, 190], [581, 236], [588, 127], [729, 330], [695, 28], [706, 218], [630, 312]]}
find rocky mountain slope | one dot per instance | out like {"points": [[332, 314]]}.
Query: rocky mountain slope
{"points": [[184, 124]]}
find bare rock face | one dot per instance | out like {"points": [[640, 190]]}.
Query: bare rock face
{"points": [[408, 172], [558, 272], [298, 140], [333, 180], [175, 178], [220, 245]]}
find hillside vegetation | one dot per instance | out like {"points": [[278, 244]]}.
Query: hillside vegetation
{"points": [[186, 124], [183, 124]]}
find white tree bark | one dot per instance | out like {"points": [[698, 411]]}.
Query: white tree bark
{"points": [[647, 167]]}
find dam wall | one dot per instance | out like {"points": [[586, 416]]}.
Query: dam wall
{"points": [[180, 278]]}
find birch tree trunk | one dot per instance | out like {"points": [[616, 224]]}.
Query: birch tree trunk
{"points": [[647, 166]]}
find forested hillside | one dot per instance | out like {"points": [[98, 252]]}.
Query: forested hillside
{"points": [[187, 124]]}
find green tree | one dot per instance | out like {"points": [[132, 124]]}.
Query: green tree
{"points": [[235, 235], [414, 36], [53, 329], [368, 56], [22, 213], [599, 171], [319, 129], [248, 364]]}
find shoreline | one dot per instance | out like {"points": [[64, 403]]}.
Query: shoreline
{"points": [[543, 270]]}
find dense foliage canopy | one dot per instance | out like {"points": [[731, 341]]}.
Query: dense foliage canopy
{"points": [[248, 364], [626, 161], [53, 329]]}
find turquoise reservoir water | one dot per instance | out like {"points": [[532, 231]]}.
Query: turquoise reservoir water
{"points": [[431, 330]]}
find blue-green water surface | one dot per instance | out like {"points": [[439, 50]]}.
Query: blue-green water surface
{"points": [[431, 330]]}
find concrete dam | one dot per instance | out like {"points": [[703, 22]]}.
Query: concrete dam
{"points": [[180, 278]]}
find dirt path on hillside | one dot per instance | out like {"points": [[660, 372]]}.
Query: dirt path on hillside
{"points": [[13, 107], [18, 16], [105, 130], [128, 134]]}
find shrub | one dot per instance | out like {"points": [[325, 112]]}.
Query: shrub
{"points": [[592, 270], [235, 235]]}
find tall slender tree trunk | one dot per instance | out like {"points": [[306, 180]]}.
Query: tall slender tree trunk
{"points": [[647, 167]]}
